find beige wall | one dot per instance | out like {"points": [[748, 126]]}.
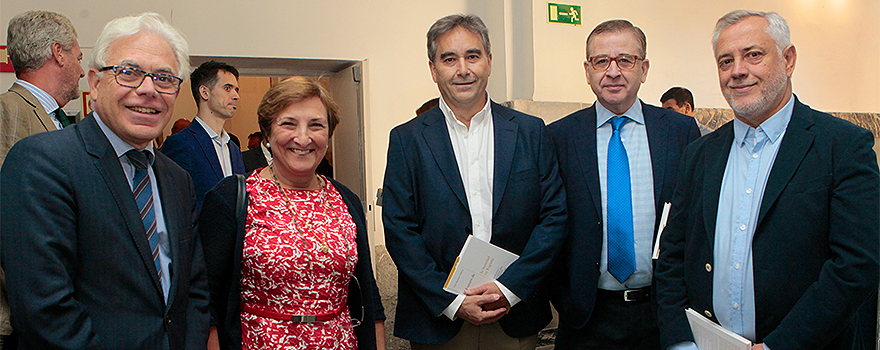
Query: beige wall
{"points": [[838, 42]]}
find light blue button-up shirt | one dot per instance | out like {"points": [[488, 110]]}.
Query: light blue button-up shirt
{"points": [[635, 140], [120, 147], [751, 158]]}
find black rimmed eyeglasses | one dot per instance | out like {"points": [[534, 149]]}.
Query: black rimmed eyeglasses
{"points": [[133, 78]]}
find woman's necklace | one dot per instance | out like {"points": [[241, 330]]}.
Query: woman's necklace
{"points": [[325, 248]]}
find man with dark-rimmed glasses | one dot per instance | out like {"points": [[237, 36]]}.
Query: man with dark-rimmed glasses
{"points": [[97, 227], [619, 161]]}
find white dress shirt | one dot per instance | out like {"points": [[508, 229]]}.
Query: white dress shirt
{"points": [[474, 149], [221, 147]]}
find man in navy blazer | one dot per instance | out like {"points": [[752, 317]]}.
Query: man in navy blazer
{"points": [[774, 226], [85, 269], [470, 167], [204, 149], [598, 309]]}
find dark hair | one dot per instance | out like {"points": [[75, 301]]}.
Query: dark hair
{"points": [[471, 23], [289, 91], [617, 26], [256, 134], [206, 75], [680, 95]]}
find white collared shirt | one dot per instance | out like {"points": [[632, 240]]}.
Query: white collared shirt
{"points": [[474, 149], [220, 147]]}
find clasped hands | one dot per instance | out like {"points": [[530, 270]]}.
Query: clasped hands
{"points": [[483, 305]]}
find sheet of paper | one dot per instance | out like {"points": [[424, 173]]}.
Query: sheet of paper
{"points": [[663, 218], [478, 263], [710, 336]]}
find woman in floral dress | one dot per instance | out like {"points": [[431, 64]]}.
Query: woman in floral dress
{"points": [[297, 274]]}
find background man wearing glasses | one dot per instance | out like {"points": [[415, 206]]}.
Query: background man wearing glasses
{"points": [[97, 227], [774, 232], [619, 163]]}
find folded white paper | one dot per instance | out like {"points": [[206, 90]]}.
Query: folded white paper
{"points": [[478, 263], [664, 217], [710, 336]]}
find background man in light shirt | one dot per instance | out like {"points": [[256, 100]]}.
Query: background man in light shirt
{"points": [[42, 47], [204, 149], [470, 167], [774, 226]]}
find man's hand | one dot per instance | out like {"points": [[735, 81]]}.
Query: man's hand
{"points": [[473, 309], [490, 289]]}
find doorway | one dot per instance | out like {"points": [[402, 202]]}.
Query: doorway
{"points": [[344, 80]]}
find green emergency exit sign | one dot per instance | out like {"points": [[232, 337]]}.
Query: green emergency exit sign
{"points": [[564, 14]]}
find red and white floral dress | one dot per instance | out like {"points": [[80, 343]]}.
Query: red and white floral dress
{"points": [[287, 269]]}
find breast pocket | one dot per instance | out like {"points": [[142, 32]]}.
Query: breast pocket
{"points": [[525, 175]]}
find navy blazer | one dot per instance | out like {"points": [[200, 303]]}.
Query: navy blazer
{"points": [[193, 150], [815, 245], [427, 220], [78, 264], [576, 275]]}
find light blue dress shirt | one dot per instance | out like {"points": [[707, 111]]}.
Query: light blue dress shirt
{"points": [[635, 139], [751, 158], [120, 147], [47, 101]]}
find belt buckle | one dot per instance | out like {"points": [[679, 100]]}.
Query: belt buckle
{"points": [[304, 318], [626, 295]]}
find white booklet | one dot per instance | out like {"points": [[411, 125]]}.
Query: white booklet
{"points": [[710, 336], [478, 263]]}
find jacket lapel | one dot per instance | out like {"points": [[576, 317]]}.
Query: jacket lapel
{"points": [[585, 143], [97, 145], [795, 144], [164, 181], [39, 111], [437, 138], [659, 147], [505, 147], [715, 163], [207, 146]]}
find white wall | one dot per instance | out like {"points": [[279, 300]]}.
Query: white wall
{"points": [[838, 43]]}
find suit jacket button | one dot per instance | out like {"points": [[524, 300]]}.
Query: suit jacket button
{"points": [[168, 320], [708, 313], [709, 269]]}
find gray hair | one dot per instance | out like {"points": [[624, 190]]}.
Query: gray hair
{"points": [[131, 25], [30, 36], [471, 23], [777, 28], [619, 26]]}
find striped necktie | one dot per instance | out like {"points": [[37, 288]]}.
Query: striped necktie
{"points": [[621, 249], [143, 195]]}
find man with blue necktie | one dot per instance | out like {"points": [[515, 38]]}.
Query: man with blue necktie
{"points": [[619, 162]]}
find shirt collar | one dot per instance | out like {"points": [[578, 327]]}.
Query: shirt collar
{"points": [[119, 145], [773, 127], [223, 137], [48, 102], [481, 117], [603, 115]]}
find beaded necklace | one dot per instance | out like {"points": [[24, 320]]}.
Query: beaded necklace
{"points": [[325, 248]]}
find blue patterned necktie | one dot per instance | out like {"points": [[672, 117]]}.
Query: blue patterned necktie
{"points": [[621, 249], [143, 195]]}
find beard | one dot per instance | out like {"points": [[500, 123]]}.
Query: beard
{"points": [[751, 110]]}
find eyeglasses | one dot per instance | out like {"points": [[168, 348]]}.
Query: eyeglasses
{"points": [[624, 62], [133, 78]]}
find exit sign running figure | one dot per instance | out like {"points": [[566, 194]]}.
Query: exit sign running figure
{"points": [[564, 14]]}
